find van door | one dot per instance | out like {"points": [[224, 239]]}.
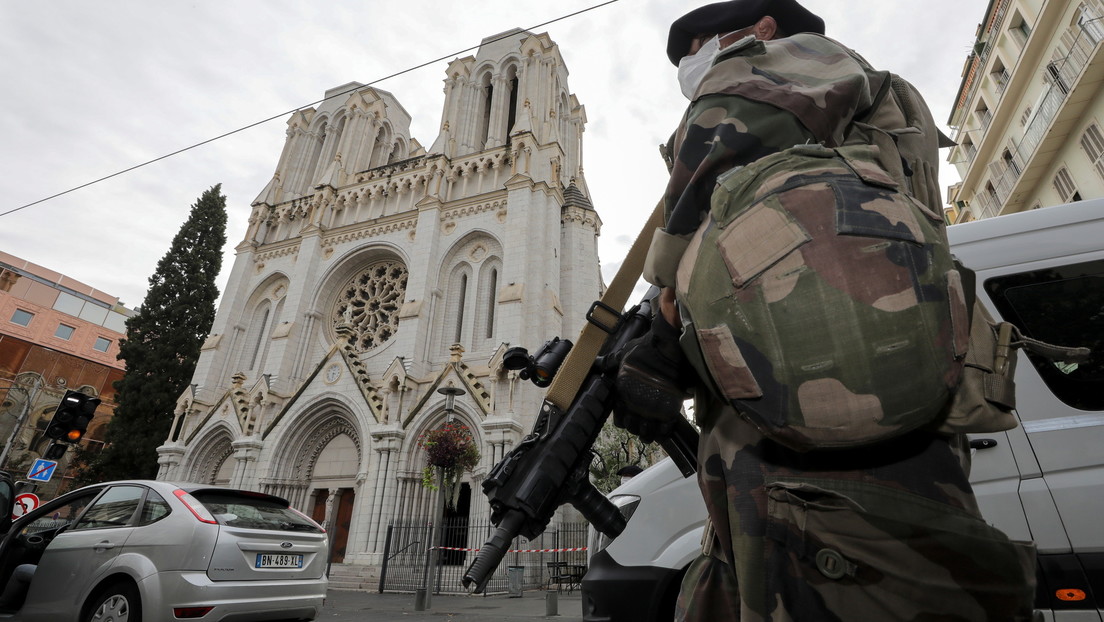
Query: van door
{"points": [[1061, 409]]}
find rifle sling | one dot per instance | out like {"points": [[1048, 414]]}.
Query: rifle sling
{"points": [[577, 365]]}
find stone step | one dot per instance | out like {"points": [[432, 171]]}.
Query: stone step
{"points": [[354, 577]]}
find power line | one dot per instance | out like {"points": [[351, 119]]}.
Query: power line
{"points": [[294, 110]]}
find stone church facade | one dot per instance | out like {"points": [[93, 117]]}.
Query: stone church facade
{"points": [[376, 272]]}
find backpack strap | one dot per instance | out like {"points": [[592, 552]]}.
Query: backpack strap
{"points": [[581, 357]]}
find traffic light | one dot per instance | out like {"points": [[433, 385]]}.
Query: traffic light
{"points": [[72, 416]]}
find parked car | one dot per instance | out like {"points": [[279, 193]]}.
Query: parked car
{"points": [[138, 550], [1042, 270]]}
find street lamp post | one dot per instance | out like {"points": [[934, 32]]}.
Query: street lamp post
{"points": [[450, 393], [433, 555]]}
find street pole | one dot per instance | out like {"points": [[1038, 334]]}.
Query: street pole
{"points": [[437, 530], [432, 552], [434, 555], [423, 598]]}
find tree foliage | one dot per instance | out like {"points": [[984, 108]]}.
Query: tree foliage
{"points": [[162, 345], [616, 448]]}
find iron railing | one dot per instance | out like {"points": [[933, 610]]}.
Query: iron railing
{"points": [[406, 550]]}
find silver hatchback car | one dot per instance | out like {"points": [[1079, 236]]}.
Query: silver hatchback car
{"points": [[158, 551]]}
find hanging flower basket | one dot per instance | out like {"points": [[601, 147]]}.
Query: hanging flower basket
{"points": [[450, 450]]}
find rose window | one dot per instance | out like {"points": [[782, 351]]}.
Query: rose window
{"points": [[367, 312]]}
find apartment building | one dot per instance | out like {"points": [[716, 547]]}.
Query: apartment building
{"points": [[1028, 115], [56, 334]]}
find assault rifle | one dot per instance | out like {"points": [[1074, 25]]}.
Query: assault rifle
{"points": [[549, 467]]}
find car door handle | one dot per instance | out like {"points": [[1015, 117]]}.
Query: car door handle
{"points": [[103, 546], [983, 443]]}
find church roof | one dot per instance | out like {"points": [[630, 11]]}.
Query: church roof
{"points": [[573, 197]]}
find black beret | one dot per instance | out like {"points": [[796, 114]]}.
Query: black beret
{"points": [[722, 17]]}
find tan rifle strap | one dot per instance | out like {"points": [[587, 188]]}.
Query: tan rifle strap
{"points": [[577, 365]]}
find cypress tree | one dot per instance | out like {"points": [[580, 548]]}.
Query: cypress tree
{"points": [[162, 345]]}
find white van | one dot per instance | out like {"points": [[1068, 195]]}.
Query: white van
{"points": [[1042, 270]]}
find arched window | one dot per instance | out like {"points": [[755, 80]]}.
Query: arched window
{"points": [[468, 282], [267, 339], [381, 148], [512, 109], [256, 332], [461, 302], [485, 116], [453, 329], [331, 143], [562, 111], [309, 171], [259, 339], [485, 303], [492, 289]]}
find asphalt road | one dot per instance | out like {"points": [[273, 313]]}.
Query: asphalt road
{"points": [[344, 605]]}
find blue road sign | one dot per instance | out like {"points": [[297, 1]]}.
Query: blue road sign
{"points": [[42, 470]]}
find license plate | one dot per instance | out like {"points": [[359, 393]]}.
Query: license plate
{"points": [[269, 560]]}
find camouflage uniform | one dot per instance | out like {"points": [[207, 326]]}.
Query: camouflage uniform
{"points": [[886, 532]]}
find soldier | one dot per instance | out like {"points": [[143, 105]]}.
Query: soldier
{"points": [[887, 531]]}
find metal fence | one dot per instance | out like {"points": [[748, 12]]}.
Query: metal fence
{"points": [[407, 557]]}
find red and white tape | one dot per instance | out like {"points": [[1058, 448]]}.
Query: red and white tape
{"points": [[450, 548]]}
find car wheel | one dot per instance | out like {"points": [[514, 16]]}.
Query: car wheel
{"points": [[118, 602]]}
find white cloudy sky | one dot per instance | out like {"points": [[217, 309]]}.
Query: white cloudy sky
{"points": [[93, 88]]}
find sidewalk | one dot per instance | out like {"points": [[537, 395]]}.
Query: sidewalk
{"points": [[344, 605]]}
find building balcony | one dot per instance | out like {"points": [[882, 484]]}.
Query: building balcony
{"points": [[1072, 83]]}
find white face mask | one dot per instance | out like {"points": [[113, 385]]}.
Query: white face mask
{"points": [[692, 69], [625, 479]]}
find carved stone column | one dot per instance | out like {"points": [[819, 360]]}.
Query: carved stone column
{"points": [[387, 442], [168, 462], [246, 453]]}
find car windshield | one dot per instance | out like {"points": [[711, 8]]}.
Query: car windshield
{"points": [[253, 512]]}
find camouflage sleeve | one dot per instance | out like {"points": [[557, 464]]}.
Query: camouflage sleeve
{"points": [[759, 98]]}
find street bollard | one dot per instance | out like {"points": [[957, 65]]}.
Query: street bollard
{"points": [[419, 599], [551, 602]]}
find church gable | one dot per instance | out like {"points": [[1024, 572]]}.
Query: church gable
{"points": [[455, 374], [341, 372]]}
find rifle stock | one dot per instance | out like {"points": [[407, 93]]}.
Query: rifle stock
{"points": [[550, 465]]}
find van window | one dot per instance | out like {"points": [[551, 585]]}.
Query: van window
{"points": [[1064, 306]]}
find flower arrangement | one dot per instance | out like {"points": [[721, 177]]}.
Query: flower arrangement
{"points": [[452, 449]]}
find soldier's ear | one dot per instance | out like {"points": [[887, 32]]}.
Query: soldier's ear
{"points": [[767, 29]]}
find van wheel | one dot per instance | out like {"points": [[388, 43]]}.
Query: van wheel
{"points": [[118, 602]]}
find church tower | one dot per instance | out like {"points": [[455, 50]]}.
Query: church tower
{"points": [[376, 272]]}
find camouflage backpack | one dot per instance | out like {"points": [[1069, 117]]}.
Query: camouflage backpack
{"points": [[825, 302]]}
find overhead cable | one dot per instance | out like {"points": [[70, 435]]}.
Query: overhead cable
{"points": [[294, 110]]}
